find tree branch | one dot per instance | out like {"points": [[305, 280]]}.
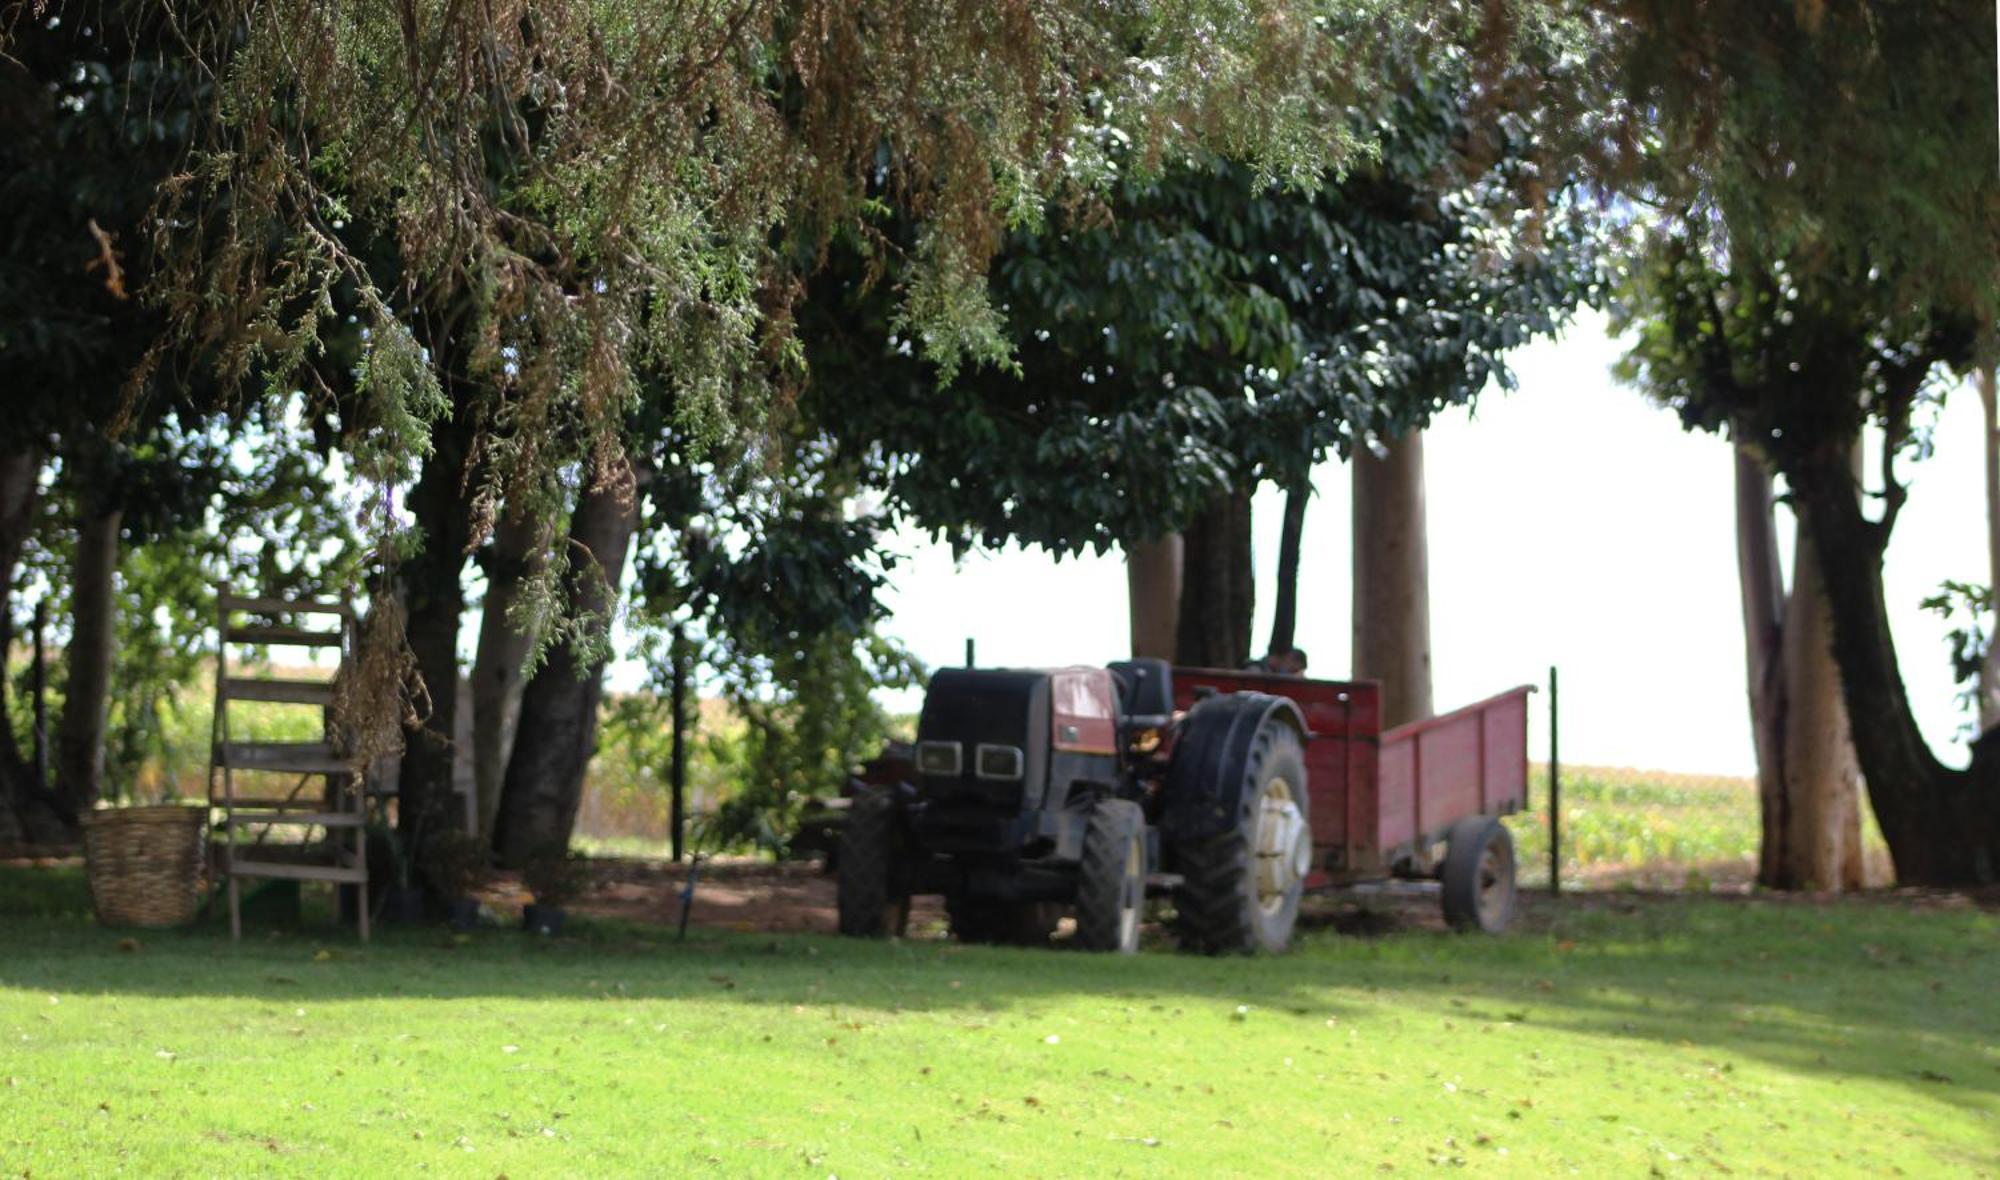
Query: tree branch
{"points": [[1900, 385]]}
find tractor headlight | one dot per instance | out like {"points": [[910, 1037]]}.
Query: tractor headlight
{"points": [[998, 763], [943, 759]]}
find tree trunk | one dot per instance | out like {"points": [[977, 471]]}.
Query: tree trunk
{"points": [[434, 603], [1942, 825], [1285, 612], [93, 640], [1392, 598], [1763, 588], [25, 810], [518, 551], [557, 730], [1989, 669], [1822, 780], [1218, 585], [1153, 588]]}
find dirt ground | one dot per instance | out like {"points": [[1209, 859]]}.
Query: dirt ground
{"points": [[795, 897], [758, 896]]}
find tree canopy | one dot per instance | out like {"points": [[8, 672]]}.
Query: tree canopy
{"points": [[1202, 328]]}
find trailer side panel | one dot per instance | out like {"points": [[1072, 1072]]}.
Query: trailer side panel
{"points": [[1471, 761]]}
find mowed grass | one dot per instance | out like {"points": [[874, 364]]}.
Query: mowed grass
{"points": [[1608, 1036]]}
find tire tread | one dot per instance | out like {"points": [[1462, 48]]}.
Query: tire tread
{"points": [[1100, 878]]}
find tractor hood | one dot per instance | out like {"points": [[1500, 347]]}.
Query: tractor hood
{"points": [[984, 737]]}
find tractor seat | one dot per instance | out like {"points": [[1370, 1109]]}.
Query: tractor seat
{"points": [[1145, 693]]}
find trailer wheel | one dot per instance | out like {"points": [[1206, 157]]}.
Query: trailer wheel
{"points": [[1479, 875], [871, 905], [1111, 882], [1001, 923], [1240, 890]]}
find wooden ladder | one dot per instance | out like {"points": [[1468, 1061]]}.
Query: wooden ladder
{"points": [[258, 789]]}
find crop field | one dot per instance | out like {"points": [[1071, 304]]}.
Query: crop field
{"points": [[1652, 829], [1610, 1035]]}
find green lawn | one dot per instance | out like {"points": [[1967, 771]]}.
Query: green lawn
{"points": [[1611, 1036]]}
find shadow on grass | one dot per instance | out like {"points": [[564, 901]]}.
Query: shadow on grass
{"points": [[1865, 988]]}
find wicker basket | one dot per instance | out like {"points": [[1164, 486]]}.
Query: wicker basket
{"points": [[144, 864]]}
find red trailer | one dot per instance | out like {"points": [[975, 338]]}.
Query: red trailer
{"points": [[1382, 804]]}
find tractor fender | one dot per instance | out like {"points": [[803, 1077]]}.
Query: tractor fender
{"points": [[1210, 769]]}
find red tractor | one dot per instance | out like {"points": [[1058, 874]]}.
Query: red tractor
{"points": [[1031, 792]]}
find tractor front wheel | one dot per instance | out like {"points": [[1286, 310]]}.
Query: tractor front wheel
{"points": [[871, 903], [1111, 883], [1240, 890]]}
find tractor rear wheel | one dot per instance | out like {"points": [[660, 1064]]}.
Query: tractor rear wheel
{"points": [[870, 901], [1111, 883], [1479, 875], [1000, 922], [1240, 890]]}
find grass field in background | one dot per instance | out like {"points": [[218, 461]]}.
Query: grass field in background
{"points": [[1607, 1036], [1652, 829]]}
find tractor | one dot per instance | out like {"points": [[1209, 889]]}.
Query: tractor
{"points": [[1032, 792]]}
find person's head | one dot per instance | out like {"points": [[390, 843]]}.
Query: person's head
{"points": [[1289, 662]]}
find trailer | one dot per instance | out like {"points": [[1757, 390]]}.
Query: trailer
{"points": [[1405, 802], [1031, 793]]}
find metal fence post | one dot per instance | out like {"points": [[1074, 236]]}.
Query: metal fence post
{"points": [[677, 765], [1555, 790]]}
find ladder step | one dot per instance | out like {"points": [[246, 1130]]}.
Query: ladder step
{"points": [[282, 637], [260, 817], [285, 692], [350, 874], [1164, 882], [282, 606], [284, 757], [267, 803]]}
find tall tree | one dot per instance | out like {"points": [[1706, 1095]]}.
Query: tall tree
{"points": [[511, 561], [1822, 834], [1795, 361], [1825, 255], [1989, 670], [26, 809], [1762, 582], [557, 729], [1291, 542], [92, 644], [1808, 775], [1218, 585], [430, 583], [1153, 592], [1392, 595]]}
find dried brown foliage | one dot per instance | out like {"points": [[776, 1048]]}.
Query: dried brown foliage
{"points": [[605, 188]]}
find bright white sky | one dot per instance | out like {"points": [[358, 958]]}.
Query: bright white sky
{"points": [[1572, 522]]}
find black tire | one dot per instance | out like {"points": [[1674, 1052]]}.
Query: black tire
{"points": [[1219, 908], [1111, 881], [1479, 875], [871, 905], [1001, 923]]}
